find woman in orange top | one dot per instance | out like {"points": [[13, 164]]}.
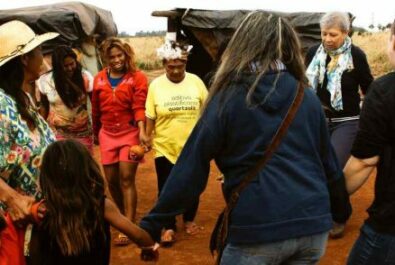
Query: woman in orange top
{"points": [[118, 115]]}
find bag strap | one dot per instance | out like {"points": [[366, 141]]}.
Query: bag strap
{"points": [[274, 144]]}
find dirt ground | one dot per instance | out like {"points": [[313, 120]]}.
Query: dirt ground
{"points": [[194, 249]]}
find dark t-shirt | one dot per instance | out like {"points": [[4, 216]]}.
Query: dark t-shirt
{"points": [[376, 136], [360, 76]]}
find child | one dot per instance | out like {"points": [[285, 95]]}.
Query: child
{"points": [[75, 228]]}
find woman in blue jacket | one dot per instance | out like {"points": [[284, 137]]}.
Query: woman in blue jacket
{"points": [[284, 215]]}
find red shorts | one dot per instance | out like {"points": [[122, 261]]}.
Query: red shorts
{"points": [[114, 146], [11, 248]]}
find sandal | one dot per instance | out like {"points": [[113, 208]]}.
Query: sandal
{"points": [[122, 240], [168, 238], [191, 228]]}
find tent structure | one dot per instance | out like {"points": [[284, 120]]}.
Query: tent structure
{"points": [[208, 30], [79, 25]]}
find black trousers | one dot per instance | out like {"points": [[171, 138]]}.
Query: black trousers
{"points": [[163, 168]]}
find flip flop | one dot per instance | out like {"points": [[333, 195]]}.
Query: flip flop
{"points": [[122, 240], [191, 228], [168, 238]]}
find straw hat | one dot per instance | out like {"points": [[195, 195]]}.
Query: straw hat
{"points": [[17, 38]]}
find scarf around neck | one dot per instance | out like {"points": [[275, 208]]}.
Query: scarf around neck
{"points": [[341, 60]]}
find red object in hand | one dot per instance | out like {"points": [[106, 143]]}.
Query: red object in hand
{"points": [[136, 152]]}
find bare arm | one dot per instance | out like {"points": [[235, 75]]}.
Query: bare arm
{"points": [[144, 139], [124, 225], [150, 128], [357, 172]]}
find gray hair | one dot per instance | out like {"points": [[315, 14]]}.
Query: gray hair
{"points": [[336, 19]]}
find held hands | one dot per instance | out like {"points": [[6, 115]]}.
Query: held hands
{"points": [[19, 208], [149, 248], [38, 211], [145, 140], [150, 253], [136, 152]]}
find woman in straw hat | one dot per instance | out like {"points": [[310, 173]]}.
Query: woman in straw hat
{"points": [[24, 134]]}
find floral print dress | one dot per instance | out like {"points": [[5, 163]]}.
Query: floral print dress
{"points": [[68, 122], [21, 149]]}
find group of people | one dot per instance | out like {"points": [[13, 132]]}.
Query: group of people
{"points": [[48, 174], [52, 192]]}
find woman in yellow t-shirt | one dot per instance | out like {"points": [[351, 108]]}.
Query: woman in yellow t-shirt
{"points": [[173, 106]]}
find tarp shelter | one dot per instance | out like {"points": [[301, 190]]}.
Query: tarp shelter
{"points": [[207, 30], [79, 24]]}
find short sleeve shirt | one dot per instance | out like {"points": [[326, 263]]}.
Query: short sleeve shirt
{"points": [[67, 122], [175, 107]]}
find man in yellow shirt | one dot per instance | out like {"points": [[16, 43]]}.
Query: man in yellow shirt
{"points": [[173, 107]]}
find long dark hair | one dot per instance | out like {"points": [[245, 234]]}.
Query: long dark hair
{"points": [[69, 89], [73, 188], [261, 38], [11, 81]]}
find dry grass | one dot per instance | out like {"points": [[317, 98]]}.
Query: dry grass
{"points": [[145, 50], [375, 45]]}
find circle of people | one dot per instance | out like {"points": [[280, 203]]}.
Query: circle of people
{"points": [[53, 207]]}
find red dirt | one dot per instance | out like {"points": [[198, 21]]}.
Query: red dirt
{"points": [[194, 249]]}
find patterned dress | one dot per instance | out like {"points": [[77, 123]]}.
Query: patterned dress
{"points": [[68, 123], [21, 149]]}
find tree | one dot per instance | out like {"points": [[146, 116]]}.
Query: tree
{"points": [[142, 33], [371, 26]]}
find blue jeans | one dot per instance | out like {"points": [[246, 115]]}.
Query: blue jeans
{"points": [[372, 248], [297, 251]]}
